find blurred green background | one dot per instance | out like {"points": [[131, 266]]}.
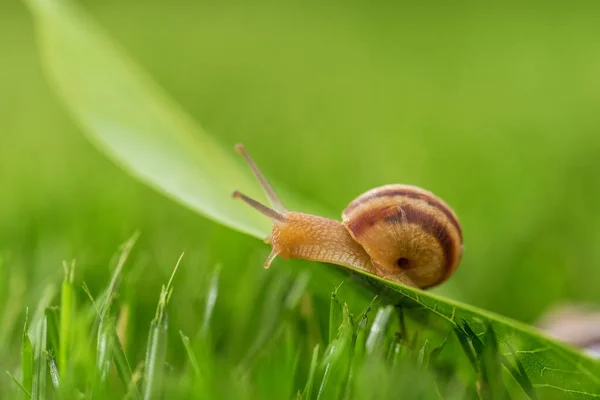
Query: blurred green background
{"points": [[492, 107]]}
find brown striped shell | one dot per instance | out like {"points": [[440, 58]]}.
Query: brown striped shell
{"points": [[410, 234]]}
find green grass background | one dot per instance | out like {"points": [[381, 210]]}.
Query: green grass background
{"points": [[492, 107]]}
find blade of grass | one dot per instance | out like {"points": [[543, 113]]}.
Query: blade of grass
{"points": [[27, 358], [40, 312], [270, 318], [132, 387], [53, 321], [67, 309], [397, 353], [491, 361], [39, 362], [422, 355], [104, 346], [335, 314], [26, 394], [211, 300], [108, 343], [291, 358], [93, 312], [377, 332], [205, 367], [122, 364], [296, 292], [467, 347], [156, 350], [155, 356], [337, 362], [308, 388], [358, 353], [52, 328], [124, 255], [435, 353], [519, 374], [190, 353]]}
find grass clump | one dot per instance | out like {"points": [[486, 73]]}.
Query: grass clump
{"points": [[287, 351]]}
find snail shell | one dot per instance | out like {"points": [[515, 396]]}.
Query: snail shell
{"points": [[404, 227]]}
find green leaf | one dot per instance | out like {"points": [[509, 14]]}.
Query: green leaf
{"points": [[124, 112], [491, 361], [520, 375], [552, 367], [127, 115]]}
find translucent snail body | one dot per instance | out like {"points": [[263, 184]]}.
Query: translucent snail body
{"points": [[401, 233]]}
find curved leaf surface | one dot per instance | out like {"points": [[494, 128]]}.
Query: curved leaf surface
{"points": [[128, 116]]}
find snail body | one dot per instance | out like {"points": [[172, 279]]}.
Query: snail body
{"points": [[399, 232]]}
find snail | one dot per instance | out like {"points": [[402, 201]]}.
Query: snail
{"points": [[400, 233]]}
